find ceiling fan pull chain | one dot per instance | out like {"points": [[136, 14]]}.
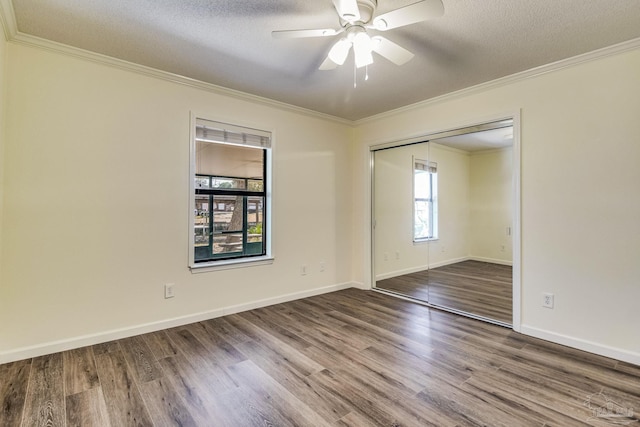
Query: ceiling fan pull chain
{"points": [[366, 72], [355, 75]]}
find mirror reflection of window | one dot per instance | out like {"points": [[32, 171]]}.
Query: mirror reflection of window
{"points": [[425, 185]]}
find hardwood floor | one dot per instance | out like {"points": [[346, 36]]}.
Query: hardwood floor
{"points": [[349, 358], [475, 287]]}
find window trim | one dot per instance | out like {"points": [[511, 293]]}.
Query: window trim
{"points": [[238, 262]]}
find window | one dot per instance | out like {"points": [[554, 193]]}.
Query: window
{"points": [[425, 191], [229, 197]]}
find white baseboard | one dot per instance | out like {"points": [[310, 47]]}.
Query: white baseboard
{"points": [[396, 273], [490, 260], [448, 262], [92, 339], [410, 270], [402, 272], [580, 344], [360, 285]]}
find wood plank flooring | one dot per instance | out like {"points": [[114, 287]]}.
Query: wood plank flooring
{"points": [[475, 287], [349, 358]]}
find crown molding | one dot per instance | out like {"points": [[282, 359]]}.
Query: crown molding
{"points": [[513, 78]]}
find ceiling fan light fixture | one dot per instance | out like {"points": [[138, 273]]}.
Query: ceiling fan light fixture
{"points": [[339, 51], [362, 48]]}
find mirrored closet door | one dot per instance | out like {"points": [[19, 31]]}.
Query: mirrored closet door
{"points": [[442, 220], [403, 219]]}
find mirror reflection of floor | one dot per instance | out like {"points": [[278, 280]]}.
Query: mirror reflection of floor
{"points": [[475, 287]]}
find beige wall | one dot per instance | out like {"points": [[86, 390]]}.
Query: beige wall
{"points": [[491, 205], [96, 203], [579, 177], [452, 244], [3, 103]]}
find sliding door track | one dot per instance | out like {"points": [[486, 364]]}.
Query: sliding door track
{"points": [[442, 308]]}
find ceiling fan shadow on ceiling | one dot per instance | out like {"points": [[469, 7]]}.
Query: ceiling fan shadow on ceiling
{"points": [[356, 17]]}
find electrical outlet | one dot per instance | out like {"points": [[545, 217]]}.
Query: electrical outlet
{"points": [[303, 270], [323, 266], [501, 248], [547, 300], [397, 254], [169, 291], [386, 256]]}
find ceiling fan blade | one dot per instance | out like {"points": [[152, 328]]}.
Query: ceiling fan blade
{"points": [[388, 49], [348, 10], [407, 15], [295, 34]]}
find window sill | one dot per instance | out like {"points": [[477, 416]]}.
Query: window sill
{"points": [[231, 263], [431, 239]]}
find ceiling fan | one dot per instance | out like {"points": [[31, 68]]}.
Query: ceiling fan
{"points": [[356, 17]]}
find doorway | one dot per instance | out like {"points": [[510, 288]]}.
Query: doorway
{"points": [[444, 215]]}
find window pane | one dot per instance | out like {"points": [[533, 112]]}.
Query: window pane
{"points": [[255, 185], [227, 244], [228, 183], [255, 217], [227, 213], [422, 185], [201, 223], [202, 182], [422, 222]]}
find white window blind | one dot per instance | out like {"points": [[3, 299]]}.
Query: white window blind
{"points": [[423, 165], [209, 131]]}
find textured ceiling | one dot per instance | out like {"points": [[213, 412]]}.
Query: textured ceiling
{"points": [[229, 43]]}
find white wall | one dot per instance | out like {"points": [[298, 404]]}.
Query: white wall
{"points": [[580, 178], [96, 204], [491, 205]]}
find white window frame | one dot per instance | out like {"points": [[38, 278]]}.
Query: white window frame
{"points": [[268, 211]]}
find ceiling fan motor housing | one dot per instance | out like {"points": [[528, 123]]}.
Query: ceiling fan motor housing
{"points": [[366, 9]]}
